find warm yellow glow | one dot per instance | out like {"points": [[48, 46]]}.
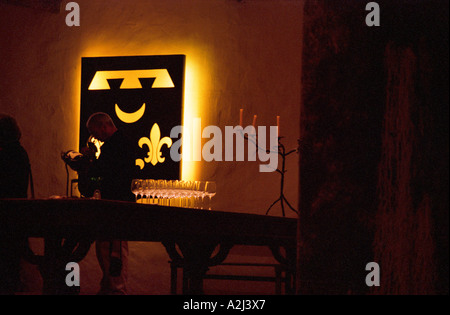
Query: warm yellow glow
{"points": [[193, 108], [131, 79], [97, 143], [196, 83], [154, 145], [130, 118]]}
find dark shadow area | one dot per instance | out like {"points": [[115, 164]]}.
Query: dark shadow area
{"points": [[344, 101]]}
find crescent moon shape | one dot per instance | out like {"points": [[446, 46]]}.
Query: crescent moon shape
{"points": [[130, 118]]}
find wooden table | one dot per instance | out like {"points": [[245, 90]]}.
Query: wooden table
{"points": [[69, 226]]}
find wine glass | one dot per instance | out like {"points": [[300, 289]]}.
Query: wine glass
{"points": [[160, 185], [169, 191], [176, 192], [191, 194], [200, 193], [185, 193], [145, 191], [194, 193], [136, 187], [151, 187], [210, 191]]}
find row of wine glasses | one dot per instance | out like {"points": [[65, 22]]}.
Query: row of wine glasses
{"points": [[179, 193]]}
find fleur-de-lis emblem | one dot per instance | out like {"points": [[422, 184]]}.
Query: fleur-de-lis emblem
{"points": [[154, 145]]}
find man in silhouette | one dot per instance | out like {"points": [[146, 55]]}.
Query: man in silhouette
{"points": [[111, 173], [14, 177]]}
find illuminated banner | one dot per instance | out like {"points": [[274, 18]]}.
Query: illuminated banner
{"points": [[143, 95]]}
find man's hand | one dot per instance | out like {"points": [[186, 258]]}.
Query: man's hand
{"points": [[89, 152]]}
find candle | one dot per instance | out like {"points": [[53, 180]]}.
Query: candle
{"points": [[240, 116], [254, 121], [278, 125]]}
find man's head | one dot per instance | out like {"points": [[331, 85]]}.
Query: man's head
{"points": [[101, 126], [9, 130]]}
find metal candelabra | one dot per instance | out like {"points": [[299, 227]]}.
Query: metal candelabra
{"points": [[283, 153]]}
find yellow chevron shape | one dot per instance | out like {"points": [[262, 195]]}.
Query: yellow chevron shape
{"points": [[131, 79]]}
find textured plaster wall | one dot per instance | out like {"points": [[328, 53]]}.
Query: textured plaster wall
{"points": [[239, 55]]}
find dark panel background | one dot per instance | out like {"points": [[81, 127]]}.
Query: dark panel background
{"points": [[163, 105]]}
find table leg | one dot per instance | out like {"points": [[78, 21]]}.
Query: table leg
{"points": [[195, 258], [52, 265], [288, 263]]}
